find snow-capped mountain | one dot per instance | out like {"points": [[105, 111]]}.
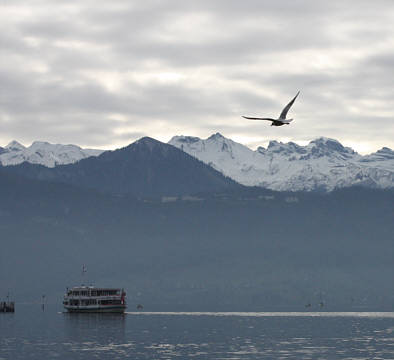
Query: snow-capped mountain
{"points": [[145, 168], [323, 164], [44, 153]]}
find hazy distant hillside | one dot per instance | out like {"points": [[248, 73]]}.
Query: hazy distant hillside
{"points": [[145, 168], [247, 249]]}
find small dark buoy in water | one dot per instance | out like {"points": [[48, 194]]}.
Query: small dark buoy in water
{"points": [[43, 303], [139, 307]]}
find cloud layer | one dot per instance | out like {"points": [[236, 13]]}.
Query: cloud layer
{"points": [[103, 74]]}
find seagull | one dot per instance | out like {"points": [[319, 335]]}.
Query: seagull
{"points": [[282, 118]]}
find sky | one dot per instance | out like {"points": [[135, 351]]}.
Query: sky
{"points": [[102, 74]]}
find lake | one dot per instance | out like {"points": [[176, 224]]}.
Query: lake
{"points": [[31, 333]]}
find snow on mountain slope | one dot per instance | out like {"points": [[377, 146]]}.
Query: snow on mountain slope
{"points": [[44, 153], [323, 164]]}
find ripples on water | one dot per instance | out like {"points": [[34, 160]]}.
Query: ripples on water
{"points": [[33, 334]]}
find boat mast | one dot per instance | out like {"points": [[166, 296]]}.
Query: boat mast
{"points": [[84, 270]]}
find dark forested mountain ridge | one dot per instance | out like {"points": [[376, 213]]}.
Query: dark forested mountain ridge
{"points": [[146, 168]]}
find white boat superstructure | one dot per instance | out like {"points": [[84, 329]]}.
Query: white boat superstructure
{"points": [[93, 299]]}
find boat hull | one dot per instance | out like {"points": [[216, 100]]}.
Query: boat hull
{"points": [[101, 309]]}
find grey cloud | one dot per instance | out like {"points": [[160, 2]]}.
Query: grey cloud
{"points": [[248, 48], [126, 31], [29, 96], [380, 63]]}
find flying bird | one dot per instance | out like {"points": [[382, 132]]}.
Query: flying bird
{"points": [[282, 117]]}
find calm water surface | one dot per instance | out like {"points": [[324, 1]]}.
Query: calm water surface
{"points": [[31, 333]]}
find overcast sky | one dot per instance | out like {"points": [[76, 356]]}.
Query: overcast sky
{"points": [[102, 74]]}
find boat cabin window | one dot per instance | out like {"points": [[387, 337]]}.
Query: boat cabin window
{"points": [[95, 292], [79, 293], [89, 302], [110, 302], [105, 292]]}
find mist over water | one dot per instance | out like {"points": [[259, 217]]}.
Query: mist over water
{"points": [[31, 333]]}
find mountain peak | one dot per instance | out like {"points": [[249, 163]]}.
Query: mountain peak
{"points": [[217, 136], [283, 148], [323, 146], [383, 154], [40, 144], [15, 146], [324, 141], [274, 143], [146, 142], [385, 151], [184, 139]]}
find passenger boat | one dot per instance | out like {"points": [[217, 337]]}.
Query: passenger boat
{"points": [[93, 299]]}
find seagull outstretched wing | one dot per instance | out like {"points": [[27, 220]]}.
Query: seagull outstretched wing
{"points": [[254, 118], [286, 109]]}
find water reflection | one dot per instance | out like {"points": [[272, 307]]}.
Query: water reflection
{"points": [[93, 326], [33, 334]]}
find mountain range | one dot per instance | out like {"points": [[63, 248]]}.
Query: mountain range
{"points": [[44, 153], [324, 164], [179, 235], [146, 168]]}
